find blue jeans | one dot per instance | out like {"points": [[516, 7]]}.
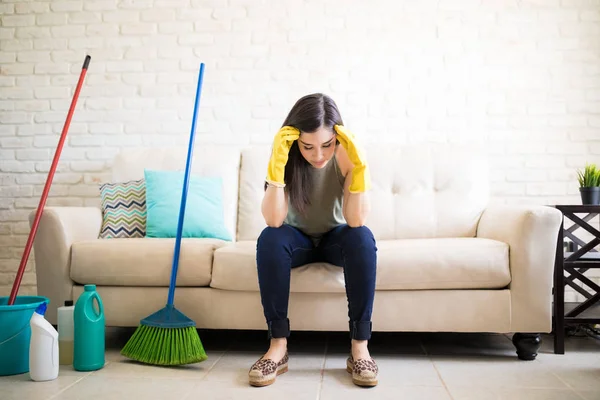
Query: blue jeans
{"points": [[281, 249]]}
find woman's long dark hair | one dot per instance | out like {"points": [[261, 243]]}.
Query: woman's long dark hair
{"points": [[308, 114]]}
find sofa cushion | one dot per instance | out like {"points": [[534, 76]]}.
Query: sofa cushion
{"points": [[222, 160], [123, 209], [142, 261], [443, 263], [203, 216]]}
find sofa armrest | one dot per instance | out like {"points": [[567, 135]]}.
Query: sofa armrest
{"points": [[531, 231], [59, 228]]}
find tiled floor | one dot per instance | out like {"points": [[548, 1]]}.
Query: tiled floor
{"points": [[412, 366]]}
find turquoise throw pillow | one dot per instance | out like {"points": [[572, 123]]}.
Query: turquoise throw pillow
{"points": [[204, 206]]}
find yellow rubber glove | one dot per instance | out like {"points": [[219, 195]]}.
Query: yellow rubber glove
{"points": [[361, 179], [279, 156]]}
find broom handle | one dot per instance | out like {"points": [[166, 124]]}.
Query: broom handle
{"points": [[42, 203], [186, 181]]}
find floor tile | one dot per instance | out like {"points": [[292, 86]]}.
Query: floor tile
{"points": [[394, 370], [233, 367], [577, 350], [120, 366], [579, 367], [495, 393], [589, 395], [68, 370], [281, 389], [412, 365], [493, 372], [382, 392], [21, 387], [305, 367], [586, 378], [112, 388]]}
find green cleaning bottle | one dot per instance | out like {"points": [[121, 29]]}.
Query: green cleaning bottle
{"points": [[88, 332]]}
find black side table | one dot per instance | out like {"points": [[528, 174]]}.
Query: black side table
{"points": [[570, 265]]}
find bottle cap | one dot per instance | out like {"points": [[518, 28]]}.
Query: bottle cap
{"points": [[41, 309], [68, 303], [89, 288]]}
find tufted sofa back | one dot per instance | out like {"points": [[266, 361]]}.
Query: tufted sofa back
{"points": [[420, 191], [426, 190]]}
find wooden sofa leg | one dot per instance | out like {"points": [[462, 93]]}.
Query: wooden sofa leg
{"points": [[527, 345]]}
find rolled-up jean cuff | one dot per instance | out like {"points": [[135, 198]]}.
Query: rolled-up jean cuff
{"points": [[360, 330], [279, 328]]}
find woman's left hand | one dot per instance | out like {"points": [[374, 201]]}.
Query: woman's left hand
{"points": [[361, 181]]}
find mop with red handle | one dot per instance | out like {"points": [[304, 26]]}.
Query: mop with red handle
{"points": [[40, 209]]}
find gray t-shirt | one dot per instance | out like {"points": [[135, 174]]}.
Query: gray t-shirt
{"points": [[326, 200]]}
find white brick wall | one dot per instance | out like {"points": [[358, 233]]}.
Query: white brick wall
{"points": [[524, 75]]}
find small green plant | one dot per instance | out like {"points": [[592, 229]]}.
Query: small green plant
{"points": [[589, 177]]}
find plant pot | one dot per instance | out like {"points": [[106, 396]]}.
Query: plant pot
{"points": [[590, 195]]}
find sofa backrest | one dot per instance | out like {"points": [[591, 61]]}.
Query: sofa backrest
{"points": [[208, 160], [418, 191]]}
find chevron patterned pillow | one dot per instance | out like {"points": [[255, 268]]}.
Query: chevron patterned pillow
{"points": [[123, 209]]}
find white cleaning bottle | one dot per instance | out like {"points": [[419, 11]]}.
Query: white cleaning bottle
{"points": [[65, 333], [43, 347]]}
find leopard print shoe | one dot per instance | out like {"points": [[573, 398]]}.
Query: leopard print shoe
{"points": [[264, 371], [364, 371]]}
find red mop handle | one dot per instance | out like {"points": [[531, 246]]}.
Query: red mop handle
{"points": [[40, 209]]}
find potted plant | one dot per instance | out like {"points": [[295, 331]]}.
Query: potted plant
{"points": [[589, 184]]}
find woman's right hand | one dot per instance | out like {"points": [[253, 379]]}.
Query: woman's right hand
{"points": [[279, 156]]}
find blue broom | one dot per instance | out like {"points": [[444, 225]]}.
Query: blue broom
{"points": [[168, 337]]}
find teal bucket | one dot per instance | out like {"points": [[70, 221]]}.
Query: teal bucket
{"points": [[15, 333]]}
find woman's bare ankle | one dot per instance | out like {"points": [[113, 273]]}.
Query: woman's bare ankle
{"points": [[278, 343], [360, 349], [277, 349]]}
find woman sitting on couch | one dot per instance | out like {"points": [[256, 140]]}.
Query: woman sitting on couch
{"points": [[315, 205]]}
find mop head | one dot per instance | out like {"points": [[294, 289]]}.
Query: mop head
{"points": [[167, 338]]}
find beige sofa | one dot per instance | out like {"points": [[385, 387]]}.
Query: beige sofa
{"points": [[448, 259]]}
